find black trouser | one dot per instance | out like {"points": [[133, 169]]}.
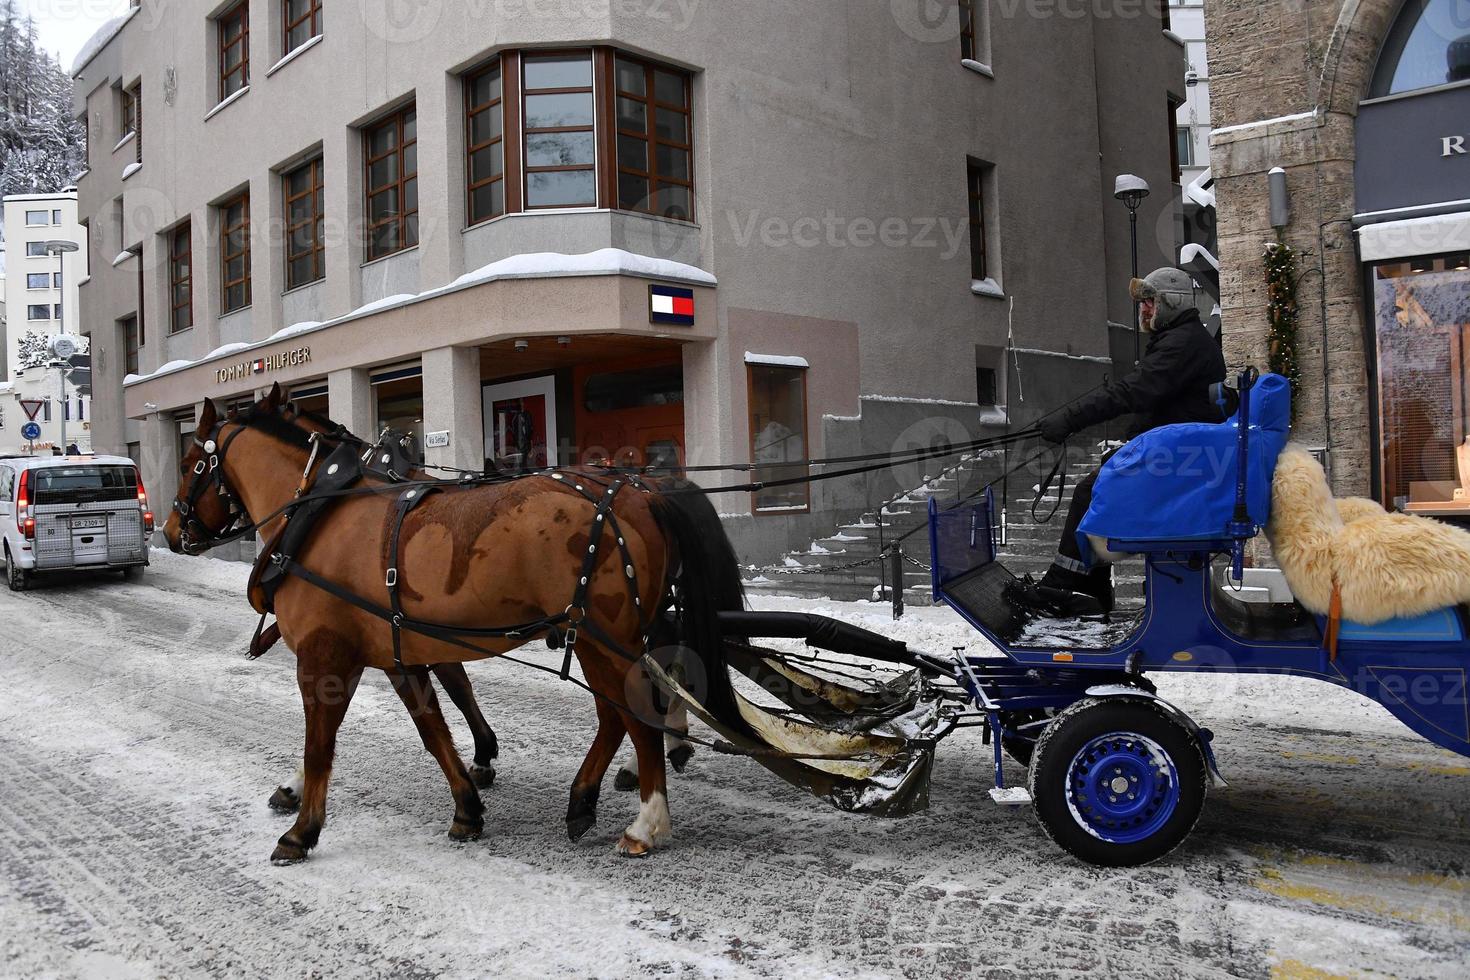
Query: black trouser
{"points": [[1069, 569]]}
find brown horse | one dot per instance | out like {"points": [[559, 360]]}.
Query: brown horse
{"points": [[473, 556]]}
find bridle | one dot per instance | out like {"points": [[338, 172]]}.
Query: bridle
{"points": [[196, 537]]}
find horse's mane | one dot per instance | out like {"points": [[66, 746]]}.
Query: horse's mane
{"points": [[263, 418]]}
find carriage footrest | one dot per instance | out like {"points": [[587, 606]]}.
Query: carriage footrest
{"points": [[1011, 796]]}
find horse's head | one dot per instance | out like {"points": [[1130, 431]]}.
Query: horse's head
{"points": [[206, 507]]}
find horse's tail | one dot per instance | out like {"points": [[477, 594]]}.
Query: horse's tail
{"points": [[708, 581]]}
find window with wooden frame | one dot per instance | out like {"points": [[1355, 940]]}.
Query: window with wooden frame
{"points": [[132, 117], [968, 48], [655, 150], [485, 143], [234, 253], [301, 21], [980, 266], [559, 113], [132, 344], [391, 154], [234, 49], [778, 436], [306, 253], [127, 111], [180, 279]]}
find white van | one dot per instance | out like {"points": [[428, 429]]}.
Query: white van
{"points": [[64, 513]]}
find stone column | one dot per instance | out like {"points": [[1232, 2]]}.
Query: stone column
{"points": [[350, 401], [452, 403], [159, 447], [713, 432]]}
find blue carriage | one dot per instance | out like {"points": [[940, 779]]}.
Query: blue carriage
{"points": [[1117, 775]]}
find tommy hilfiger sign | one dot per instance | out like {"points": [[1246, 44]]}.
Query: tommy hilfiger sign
{"points": [[271, 362]]}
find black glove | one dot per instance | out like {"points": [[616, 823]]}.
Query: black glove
{"points": [[1055, 428]]}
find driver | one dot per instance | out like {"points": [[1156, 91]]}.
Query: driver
{"points": [[1171, 383]]}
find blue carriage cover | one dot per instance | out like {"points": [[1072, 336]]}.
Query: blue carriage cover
{"points": [[1177, 482]]}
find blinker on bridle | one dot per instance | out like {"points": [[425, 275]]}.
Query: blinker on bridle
{"points": [[196, 537]]}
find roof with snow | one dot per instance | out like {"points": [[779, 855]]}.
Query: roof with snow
{"points": [[99, 40]]}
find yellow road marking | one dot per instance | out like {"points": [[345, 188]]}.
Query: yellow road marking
{"points": [[1273, 882], [1297, 970]]}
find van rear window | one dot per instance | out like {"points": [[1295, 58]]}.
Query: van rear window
{"points": [[77, 484]]}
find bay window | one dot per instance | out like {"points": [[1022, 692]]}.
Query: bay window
{"points": [[560, 135], [485, 140]]}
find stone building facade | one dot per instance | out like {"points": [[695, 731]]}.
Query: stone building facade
{"points": [[1296, 85]]}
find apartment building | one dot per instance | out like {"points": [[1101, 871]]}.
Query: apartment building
{"points": [[629, 229], [41, 289]]}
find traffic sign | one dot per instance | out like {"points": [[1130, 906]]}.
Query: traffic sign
{"points": [[30, 431], [31, 408]]}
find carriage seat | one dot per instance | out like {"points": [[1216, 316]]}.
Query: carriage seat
{"points": [[1173, 488], [1382, 566]]}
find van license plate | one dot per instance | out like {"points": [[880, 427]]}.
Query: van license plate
{"points": [[87, 523]]}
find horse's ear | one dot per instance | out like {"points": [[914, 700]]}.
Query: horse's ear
{"points": [[274, 399], [208, 417]]}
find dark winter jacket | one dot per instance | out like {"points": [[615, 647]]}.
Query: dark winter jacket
{"points": [[1171, 383]]}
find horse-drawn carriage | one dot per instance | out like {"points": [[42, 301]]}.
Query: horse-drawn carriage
{"points": [[1117, 775]]}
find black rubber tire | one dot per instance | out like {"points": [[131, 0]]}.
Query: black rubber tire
{"points": [[17, 578], [1070, 732]]}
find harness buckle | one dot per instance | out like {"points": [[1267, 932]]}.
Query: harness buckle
{"points": [[571, 639], [199, 468], [392, 581]]}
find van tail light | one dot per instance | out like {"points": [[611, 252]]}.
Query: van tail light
{"points": [[28, 528], [147, 522], [23, 498], [142, 494]]}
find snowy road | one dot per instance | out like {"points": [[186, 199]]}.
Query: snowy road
{"points": [[137, 748]]}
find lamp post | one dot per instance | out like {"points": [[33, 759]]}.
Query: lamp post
{"points": [[59, 247], [1131, 190]]}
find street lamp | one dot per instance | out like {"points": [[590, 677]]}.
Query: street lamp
{"points": [[59, 247], [1131, 190]]}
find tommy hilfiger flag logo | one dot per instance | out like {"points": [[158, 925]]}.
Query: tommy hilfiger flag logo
{"points": [[671, 305]]}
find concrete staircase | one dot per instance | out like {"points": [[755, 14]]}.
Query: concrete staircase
{"points": [[847, 564]]}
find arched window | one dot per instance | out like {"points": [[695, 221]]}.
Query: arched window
{"points": [[1428, 45]]}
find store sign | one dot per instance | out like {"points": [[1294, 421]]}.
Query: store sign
{"points": [[1405, 156], [262, 365], [671, 305]]}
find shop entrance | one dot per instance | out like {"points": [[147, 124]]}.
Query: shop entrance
{"points": [[631, 411]]}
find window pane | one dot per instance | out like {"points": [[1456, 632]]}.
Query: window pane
{"points": [[181, 294], [674, 202], [632, 115], [299, 210], [485, 88], [181, 319], [561, 189], [298, 36], [559, 71], [384, 240], [410, 195], [410, 159], [632, 78], [384, 172], [37, 280], [558, 111], [559, 149], [669, 88], [235, 268], [298, 181], [382, 139], [488, 201], [673, 162], [485, 126], [410, 230], [410, 126], [383, 205], [300, 271], [778, 433], [632, 153], [671, 125], [633, 193], [486, 163]]}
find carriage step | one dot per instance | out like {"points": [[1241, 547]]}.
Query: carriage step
{"points": [[1011, 796]]}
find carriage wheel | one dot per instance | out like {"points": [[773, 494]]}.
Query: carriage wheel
{"points": [[1117, 781]]}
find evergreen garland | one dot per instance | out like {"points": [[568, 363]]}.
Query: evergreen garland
{"points": [[1281, 310]]}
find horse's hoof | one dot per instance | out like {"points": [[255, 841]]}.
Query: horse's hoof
{"points": [[679, 756], [463, 831], [287, 853], [632, 847], [626, 781], [482, 776], [283, 800], [578, 826]]}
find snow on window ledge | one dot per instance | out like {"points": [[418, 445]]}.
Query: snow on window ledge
{"points": [[987, 287], [993, 415], [127, 138], [776, 360], [293, 54], [1174, 37], [122, 257], [977, 67], [131, 169], [84, 280], [231, 100]]}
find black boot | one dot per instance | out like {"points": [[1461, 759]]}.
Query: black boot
{"points": [[1040, 599]]}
